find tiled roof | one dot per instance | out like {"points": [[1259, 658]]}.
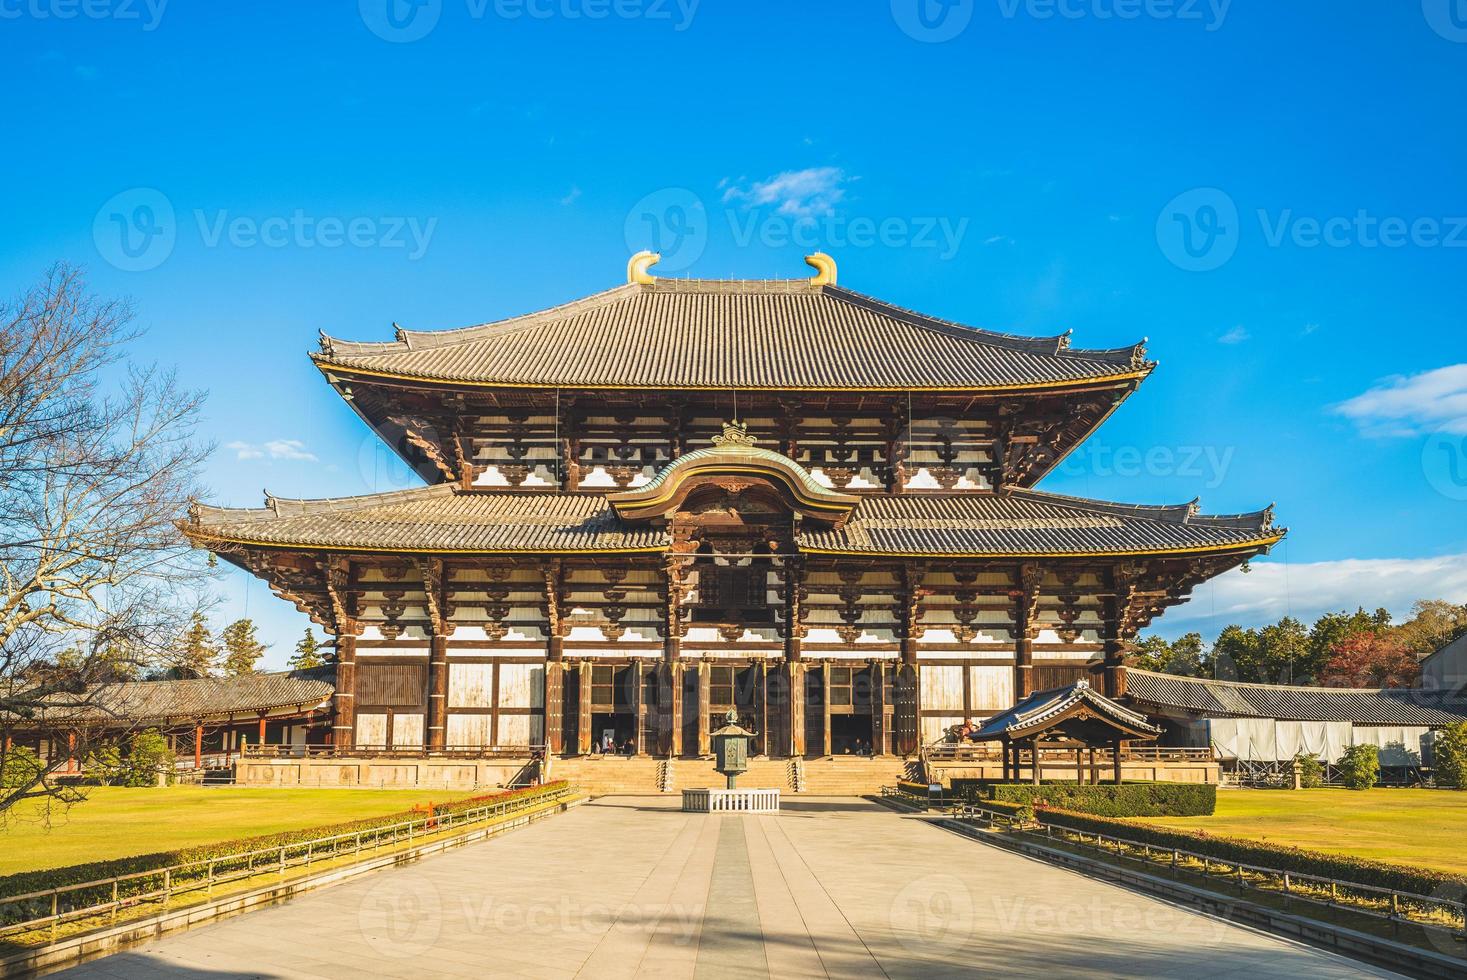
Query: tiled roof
{"points": [[448, 519], [1037, 710], [1288, 703], [1024, 522], [770, 334], [160, 702], [437, 518]]}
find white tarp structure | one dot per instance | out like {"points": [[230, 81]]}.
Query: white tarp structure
{"points": [[1269, 740]]}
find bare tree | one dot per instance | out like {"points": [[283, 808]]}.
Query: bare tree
{"points": [[98, 456]]}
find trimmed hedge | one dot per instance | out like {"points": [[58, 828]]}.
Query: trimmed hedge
{"points": [[25, 882], [1123, 800], [1280, 857]]}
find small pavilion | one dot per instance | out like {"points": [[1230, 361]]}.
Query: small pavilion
{"points": [[1075, 717]]}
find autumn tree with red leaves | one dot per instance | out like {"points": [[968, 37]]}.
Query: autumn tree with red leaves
{"points": [[1370, 660]]}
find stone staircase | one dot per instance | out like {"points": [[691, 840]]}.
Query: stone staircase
{"points": [[850, 775], [835, 776]]}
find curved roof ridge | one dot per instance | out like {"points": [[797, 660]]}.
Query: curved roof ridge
{"points": [[427, 339], [1255, 685], [1172, 513], [1057, 345]]}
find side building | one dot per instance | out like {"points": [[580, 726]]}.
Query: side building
{"points": [[679, 497]]}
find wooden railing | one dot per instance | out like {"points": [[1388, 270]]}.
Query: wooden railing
{"points": [[947, 752], [110, 897], [514, 752], [1390, 904]]}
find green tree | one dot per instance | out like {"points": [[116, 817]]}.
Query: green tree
{"points": [[1276, 654], [1360, 767], [145, 758], [1181, 656], [1433, 624], [242, 648], [1450, 756], [195, 653], [19, 766], [307, 652]]}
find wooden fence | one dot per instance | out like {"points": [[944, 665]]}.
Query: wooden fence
{"points": [[110, 897]]}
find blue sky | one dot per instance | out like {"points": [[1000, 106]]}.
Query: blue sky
{"points": [[1271, 193]]}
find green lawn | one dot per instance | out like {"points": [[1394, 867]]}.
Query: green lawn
{"points": [[115, 822], [1418, 827]]}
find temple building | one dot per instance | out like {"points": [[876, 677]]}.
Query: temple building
{"points": [[674, 498]]}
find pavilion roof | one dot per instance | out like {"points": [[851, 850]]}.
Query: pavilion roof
{"points": [[752, 334], [163, 701], [448, 519], [1287, 702], [1042, 711]]}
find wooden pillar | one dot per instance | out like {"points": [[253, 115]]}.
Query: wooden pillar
{"points": [[672, 654], [438, 692], [554, 703], [1034, 749], [1114, 611], [262, 729], [639, 706], [1024, 628], [1094, 770], [1119, 744], [761, 707], [878, 707], [674, 713], [825, 706], [1079, 767], [795, 671], [343, 725], [705, 744], [199, 745], [583, 722]]}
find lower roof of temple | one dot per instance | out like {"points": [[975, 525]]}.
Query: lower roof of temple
{"points": [[448, 519]]}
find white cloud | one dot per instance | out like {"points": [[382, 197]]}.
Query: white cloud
{"points": [[995, 239], [1307, 590], [1412, 404], [797, 193], [1235, 336], [572, 197], [243, 450], [290, 449]]}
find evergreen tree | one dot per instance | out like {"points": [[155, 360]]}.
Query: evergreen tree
{"points": [[1182, 656], [195, 653], [307, 652], [242, 648]]}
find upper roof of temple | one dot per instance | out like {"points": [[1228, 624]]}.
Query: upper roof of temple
{"points": [[798, 335]]}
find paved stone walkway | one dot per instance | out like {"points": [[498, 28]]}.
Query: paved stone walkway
{"points": [[630, 887]]}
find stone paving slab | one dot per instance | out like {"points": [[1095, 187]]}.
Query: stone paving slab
{"points": [[631, 887]]}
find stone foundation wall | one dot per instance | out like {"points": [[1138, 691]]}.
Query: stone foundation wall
{"points": [[466, 774]]}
